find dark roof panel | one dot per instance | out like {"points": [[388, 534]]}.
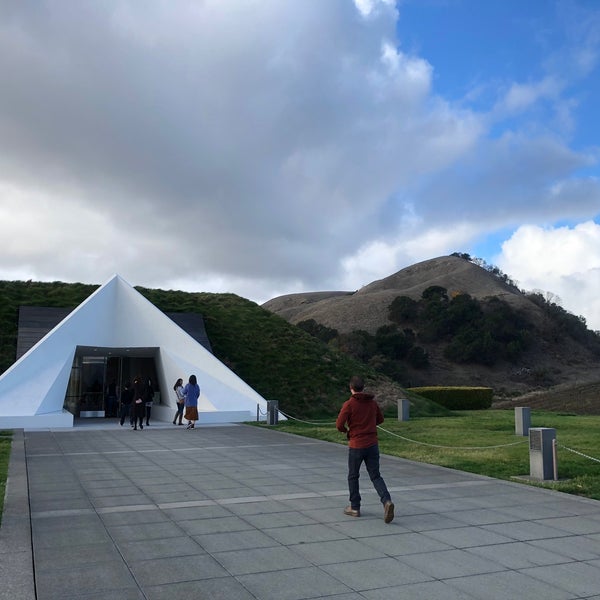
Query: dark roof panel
{"points": [[36, 321]]}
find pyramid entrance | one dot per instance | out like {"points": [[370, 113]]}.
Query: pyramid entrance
{"points": [[99, 374]]}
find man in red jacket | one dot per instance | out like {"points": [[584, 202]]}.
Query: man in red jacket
{"points": [[358, 419]]}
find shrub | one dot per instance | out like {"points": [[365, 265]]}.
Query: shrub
{"points": [[402, 309], [457, 398], [321, 332], [418, 358]]}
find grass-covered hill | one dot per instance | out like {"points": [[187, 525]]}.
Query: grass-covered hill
{"points": [[453, 321], [276, 358]]}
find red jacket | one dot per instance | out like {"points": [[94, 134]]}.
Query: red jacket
{"points": [[359, 418]]}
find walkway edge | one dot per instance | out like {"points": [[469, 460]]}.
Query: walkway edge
{"points": [[16, 553]]}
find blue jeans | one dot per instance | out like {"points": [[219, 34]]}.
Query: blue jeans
{"points": [[370, 456]]}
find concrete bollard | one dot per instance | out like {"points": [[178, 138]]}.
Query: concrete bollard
{"points": [[522, 420], [403, 409], [541, 453]]}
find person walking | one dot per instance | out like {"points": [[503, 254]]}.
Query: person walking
{"points": [[111, 400], [180, 399], [126, 400], [191, 392], [138, 408], [358, 419], [149, 399]]}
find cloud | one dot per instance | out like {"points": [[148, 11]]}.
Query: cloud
{"points": [[259, 148], [522, 96], [378, 259], [545, 259], [246, 137]]}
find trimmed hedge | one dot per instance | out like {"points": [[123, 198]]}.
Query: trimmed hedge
{"points": [[457, 398]]}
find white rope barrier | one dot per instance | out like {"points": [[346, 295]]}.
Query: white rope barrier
{"points": [[451, 447], [329, 423], [579, 453], [307, 422], [320, 423]]}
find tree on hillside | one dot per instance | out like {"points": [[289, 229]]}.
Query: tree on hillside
{"points": [[402, 309], [321, 332]]}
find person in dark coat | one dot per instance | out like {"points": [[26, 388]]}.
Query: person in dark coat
{"points": [[126, 400], [149, 399], [139, 402], [111, 399]]}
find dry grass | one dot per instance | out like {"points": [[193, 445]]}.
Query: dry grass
{"points": [[576, 399]]}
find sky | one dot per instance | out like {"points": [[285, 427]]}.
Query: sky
{"points": [[268, 147]]}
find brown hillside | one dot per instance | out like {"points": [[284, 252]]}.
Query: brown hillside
{"points": [[368, 307], [548, 363], [579, 399]]}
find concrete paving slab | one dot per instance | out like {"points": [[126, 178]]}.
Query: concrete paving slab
{"points": [[240, 513], [451, 563], [577, 525], [338, 551], [91, 578], [376, 573], [225, 588], [508, 584], [261, 560], [400, 544], [518, 555], [527, 530], [468, 537], [428, 590], [215, 525], [235, 540], [293, 584], [580, 579], [171, 570], [579, 548], [182, 546], [49, 558]]}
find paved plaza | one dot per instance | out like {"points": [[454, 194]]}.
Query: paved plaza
{"points": [[238, 513]]}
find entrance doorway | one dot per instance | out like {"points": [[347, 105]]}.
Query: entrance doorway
{"points": [[99, 374]]}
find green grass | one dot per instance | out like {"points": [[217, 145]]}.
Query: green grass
{"points": [[279, 360], [5, 440], [484, 442]]}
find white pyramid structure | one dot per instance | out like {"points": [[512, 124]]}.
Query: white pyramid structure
{"points": [[32, 390]]}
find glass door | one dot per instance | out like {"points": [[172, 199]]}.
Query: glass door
{"points": [[93, 369]]}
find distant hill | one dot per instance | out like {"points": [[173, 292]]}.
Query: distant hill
{"points": [[368, 307], [562, 350]]}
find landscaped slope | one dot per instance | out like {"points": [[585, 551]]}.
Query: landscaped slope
{"points": [[279, 360]]}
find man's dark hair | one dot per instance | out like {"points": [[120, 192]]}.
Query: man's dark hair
{"points": [[357, 383]]}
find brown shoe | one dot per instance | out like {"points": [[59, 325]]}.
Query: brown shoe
{"points": [[351, 512], [388, 511]]}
